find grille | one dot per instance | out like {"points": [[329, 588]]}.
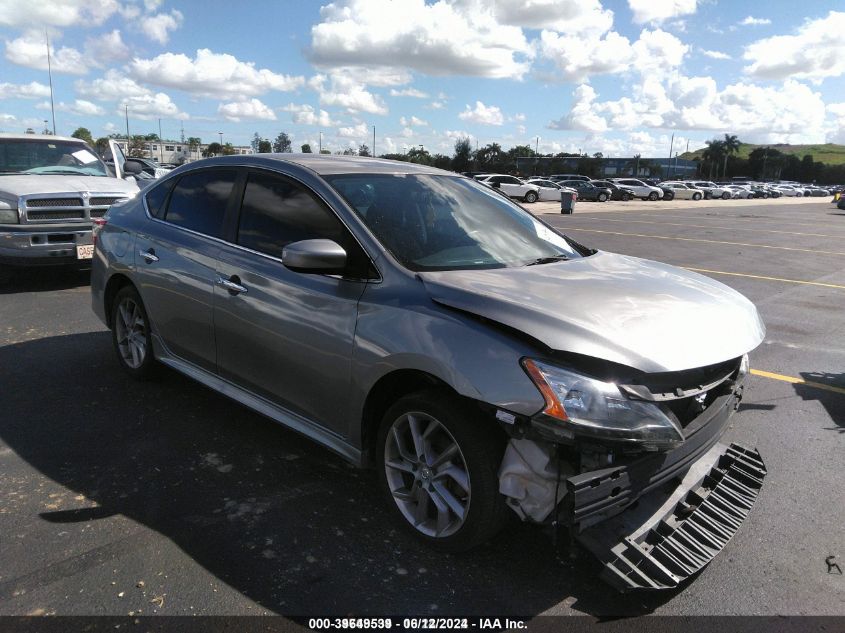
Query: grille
{"points": [[56, 215], [103, 202], [98, 213], [34, 203]]}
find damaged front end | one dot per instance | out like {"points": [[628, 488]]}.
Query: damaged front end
{"points": [[604, 460]]}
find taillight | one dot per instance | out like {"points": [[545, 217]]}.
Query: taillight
{"points": [[99, 223]]}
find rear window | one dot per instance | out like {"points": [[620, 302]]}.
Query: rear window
{"points": [[199, 200]]}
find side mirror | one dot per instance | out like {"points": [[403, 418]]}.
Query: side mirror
{"points": [[132, 167], [496, 185], [315, 256]]}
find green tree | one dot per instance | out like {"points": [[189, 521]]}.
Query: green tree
{"points": [[441, 161], [84, 134], [363, 150], [102, 146], [264, 146], [306, 148], [228, 149], [282, 143], [213, 149], [713, 154], [463, 155], [137, 147], [419, 155], [731, 146], [325, 151], [194, 143], [256, 139]]}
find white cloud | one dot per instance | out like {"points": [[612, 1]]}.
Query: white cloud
{"points": [[252, 110], [658, 52], [752, 21], [412, 121], [408, 92], [105, 49], [211, 74], [111, 87], [157, 27], [345, 92], [815, 52], [436, 39], [150, 106], [660, 10], [406, 132], [30, 50], [32, 90], [305, 115], [486, 115], [60, 13], [436, 105], [582, 16], [355, 132], [714, 54], [79, 107], [581, 115]]}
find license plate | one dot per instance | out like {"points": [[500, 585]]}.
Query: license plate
{"points": [[85, 251]]}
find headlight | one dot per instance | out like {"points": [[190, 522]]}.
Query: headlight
{"points": [[744, 366], [8, 214], [596, 409]]}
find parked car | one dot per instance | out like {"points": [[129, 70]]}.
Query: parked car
{"points": [[412, 320], [548, 190], [617, 192], [562, 177], [153, 168], [790, 192], [512, 186], [641, 189], [587, 190], [819, 192], [668, 193], [682, 190], [740, 192], [711, 189], [51, 187]]}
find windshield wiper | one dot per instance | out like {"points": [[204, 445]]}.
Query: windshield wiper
{"points": [[548, 260]]}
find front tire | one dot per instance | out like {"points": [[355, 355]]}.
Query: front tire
{"points": [[131, 334], [696, 196], [438, 466], [652, 196], [725, 195], [531, 197], [602, 197]]}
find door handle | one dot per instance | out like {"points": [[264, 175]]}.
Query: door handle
{"points": [[149, 256], [231, 285]]}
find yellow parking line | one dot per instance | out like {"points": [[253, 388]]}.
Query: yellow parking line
{"points": [[790, 281], [726, 228], [797, 381], [696, 239]]}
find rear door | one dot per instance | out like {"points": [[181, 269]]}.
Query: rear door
{"points": [[287, 336], [175, 261]]}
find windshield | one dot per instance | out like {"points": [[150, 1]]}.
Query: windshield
{"points": [[19, 156], [449, 223]]}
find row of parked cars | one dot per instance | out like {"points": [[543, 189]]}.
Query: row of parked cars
{"points": [[601, 190]]}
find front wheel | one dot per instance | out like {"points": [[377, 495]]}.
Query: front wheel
{"points": [[5, 274], [625, 197], [696, 196], [725, 195], [437, 463], [531, 197], [652, 196], [602, 197], [131, 334]]}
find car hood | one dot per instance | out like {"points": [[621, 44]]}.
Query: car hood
{"points": [[643, 314], [29, 184]]}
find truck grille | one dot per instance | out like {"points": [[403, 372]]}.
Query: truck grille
{"points": [[75, 207]]}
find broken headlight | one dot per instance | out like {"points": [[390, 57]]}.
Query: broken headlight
{"points": [[592, 408]]}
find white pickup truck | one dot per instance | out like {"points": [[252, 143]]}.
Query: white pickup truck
{"points": [[51, 190]]}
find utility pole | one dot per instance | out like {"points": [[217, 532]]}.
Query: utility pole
{"points": [[374, 141], [321, 142], [160, 146], [126, 110], [537, 146], [50, 76], [671, 147]]}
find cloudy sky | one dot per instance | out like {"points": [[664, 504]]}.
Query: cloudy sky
{"points": [[616, 76]]}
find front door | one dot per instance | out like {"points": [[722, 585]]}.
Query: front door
{"points": [[283, 335]]}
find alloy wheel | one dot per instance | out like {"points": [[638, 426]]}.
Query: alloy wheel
{"points": [[427, 474], [131, 333]]}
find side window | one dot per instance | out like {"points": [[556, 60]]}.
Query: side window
{"points": [[276, 212], [157, 196], [199, 200]]}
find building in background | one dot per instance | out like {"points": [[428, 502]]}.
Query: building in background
{"points": [[176, 152]]}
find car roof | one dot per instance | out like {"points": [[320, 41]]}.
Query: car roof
{"points": [[38, 137], [325, 164]]}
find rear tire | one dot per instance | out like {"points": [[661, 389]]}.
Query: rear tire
{"points": [[131, 335], [725, 195], [531, 197], [437, 463], [6, 275]]}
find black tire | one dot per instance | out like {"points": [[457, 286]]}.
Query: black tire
{"points": [[531, 197], [625, 197], [696, 196], [6, 275], [726, 195], [653, 196], [481, 448], [602, 197], [148, 366]]}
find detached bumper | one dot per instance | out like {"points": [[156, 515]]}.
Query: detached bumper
{"points": [[663, 540]]}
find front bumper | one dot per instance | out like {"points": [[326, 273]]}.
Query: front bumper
{"points": [[44, 245], [663, 541]]}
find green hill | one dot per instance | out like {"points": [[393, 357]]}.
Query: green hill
{"points": [[829, 153]]}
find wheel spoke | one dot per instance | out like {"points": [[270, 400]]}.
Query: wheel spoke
{"points": [[454, 505], [445, 456], [133, 348], [456, 474], [443, 520], [408, 457], [405, 494], [404, 466], [124, 315], [417, 435], [421, 511]]}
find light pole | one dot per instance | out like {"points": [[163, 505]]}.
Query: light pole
{"points": [[320, 148], [46, 129], [221, 141], [160, 146]]}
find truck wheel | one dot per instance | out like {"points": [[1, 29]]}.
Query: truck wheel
{"points": [[437, 462], [652, 196], [531, 196], [131, 334]]}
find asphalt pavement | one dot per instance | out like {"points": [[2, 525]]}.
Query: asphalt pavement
{"points": [[164, 497]]}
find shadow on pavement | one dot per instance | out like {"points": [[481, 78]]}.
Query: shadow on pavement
{"points": [[43, 279], [266, 511], [833, 402]]}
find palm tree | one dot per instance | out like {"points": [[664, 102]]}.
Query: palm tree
{"points": [[713, 153], [731, 146]]}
